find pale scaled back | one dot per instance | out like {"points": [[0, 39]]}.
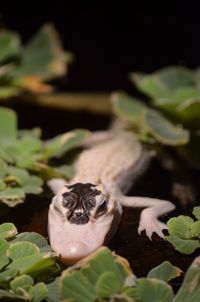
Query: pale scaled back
{"points": [[109, 162]]}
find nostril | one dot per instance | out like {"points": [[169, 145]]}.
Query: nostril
{"points": [[79, 214], [78, 218]]}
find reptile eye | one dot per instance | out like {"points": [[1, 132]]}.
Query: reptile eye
{"points": [[102, 205], [101, 209], [68, 201]]}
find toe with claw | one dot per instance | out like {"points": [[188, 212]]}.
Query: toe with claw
{"points": [[150, 224]]}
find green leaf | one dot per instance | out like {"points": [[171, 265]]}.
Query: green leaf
{"points": [[12, 196], [30, 145], [175, 77], [184, 234], [9, 45], [85, 281], [174, 100], [153, 290], [149, 121], [190, 289], [3, 168], [22, 249], [7, 275], [185, 246], [64, 142], [76, 287], [4, 260], [25, 152], [132, 293], [175, 90], [164, 131], [165, 271], [129, 109], [35, 238], [7, 230], [195, 230], [196, 212], [161, 83], [9, 296], [24, 282], [35, 264], [53, 294], [66, 171], [39, 292], [31, 133], [20, 174], [189, 111], [4, 155], [2, 185], [33, 185], [8, 125], [151, 85], [43, 56], [108, 284], [179, 226]]}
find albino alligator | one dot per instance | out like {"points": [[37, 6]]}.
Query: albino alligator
{"points": [[85, 212]]}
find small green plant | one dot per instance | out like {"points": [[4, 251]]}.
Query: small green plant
{"points": [[149, 123], [24, 158], [26, 263], [28, 67], [184, 232], [105, 276], [30, 271], [175, 92]]}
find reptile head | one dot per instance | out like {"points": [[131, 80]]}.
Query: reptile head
{"points": [[81, 217]]}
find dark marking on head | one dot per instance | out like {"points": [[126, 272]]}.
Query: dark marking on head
{"points": [[79, 202]]}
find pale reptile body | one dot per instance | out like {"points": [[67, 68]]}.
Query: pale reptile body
{"points": [[109, 163]]}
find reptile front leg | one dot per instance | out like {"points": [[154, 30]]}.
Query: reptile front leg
{"points": [[149, 217]]}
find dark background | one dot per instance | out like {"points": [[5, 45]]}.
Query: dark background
{"points": [[111, 42]]}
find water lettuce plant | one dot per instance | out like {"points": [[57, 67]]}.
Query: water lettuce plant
{"points": [[175, 92], [184, 232], [26, 264], [30, 271], [104, 276], [28, 67], [24, 158], [149, 123]]}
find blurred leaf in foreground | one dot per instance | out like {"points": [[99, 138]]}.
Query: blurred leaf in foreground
{"points": [[190, 289], [23, 265]]}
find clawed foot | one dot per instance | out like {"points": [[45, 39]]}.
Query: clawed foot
{"points": [[151, 225]]}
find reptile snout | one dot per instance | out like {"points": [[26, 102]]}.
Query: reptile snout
{"points": [[74, 251]]}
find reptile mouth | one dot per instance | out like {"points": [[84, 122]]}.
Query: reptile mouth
{"points": [[74, 241]]}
